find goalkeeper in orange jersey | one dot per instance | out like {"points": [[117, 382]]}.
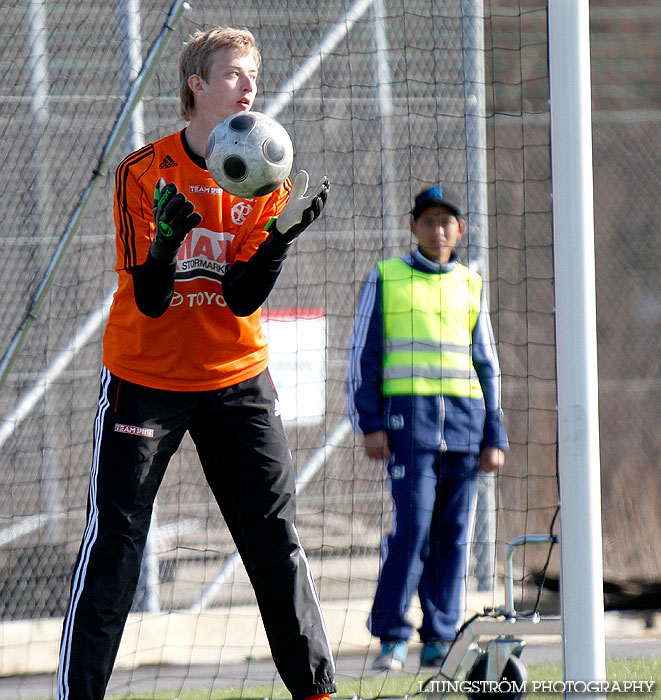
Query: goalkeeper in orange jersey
{"points": [[183, 351]]}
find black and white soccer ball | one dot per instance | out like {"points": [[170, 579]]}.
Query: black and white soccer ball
{"points": [[249, 154]]}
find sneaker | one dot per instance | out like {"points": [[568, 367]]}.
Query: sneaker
{"points": [[392, 656], [433, 653]]}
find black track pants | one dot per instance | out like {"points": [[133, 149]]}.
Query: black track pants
{"points": [[243, 450]]}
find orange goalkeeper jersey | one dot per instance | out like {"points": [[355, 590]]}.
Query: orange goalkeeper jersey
{"points": [[198, 343]]}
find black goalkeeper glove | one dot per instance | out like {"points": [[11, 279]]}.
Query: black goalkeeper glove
{"points": [[300, 211], [174, 218]]}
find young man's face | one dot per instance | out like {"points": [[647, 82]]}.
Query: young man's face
{"points": [[438, 230], [231, 87]]}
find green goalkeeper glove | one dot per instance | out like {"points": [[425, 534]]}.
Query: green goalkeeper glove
{"points": [[301, 210], [174, 218]]}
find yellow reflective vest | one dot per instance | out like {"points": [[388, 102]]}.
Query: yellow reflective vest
{"points": [[428, 320]]}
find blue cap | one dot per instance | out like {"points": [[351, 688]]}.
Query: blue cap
{"points": [[436, 196]]}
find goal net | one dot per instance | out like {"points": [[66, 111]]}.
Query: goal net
{"points": [[385, 98]]}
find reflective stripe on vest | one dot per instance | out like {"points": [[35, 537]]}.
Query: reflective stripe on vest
{"points": [[428, 320]]}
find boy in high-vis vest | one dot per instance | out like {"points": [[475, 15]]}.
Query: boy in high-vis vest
{"points": [[424, 393]]}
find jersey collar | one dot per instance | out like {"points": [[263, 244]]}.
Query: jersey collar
{"points": [[198, 160]]}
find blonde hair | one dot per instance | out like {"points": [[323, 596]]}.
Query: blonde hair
{"points": [[198, 53]]}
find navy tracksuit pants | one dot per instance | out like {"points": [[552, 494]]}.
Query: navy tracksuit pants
{"points": [[244, 453], [428, 547]]}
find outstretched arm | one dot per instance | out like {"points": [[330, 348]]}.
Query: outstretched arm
{"points": [[174, 219], [247, 284]]}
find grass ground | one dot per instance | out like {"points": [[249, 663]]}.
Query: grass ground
{"points": [[402, 686]]}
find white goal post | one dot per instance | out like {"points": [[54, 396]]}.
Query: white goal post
{"points": [[576, 345]]}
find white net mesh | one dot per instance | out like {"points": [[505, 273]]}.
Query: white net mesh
{"points": [[375, 96]]}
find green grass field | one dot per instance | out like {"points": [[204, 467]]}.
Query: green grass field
{"points": [[393, 686]]}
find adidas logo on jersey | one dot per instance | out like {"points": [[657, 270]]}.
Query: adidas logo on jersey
{"points": [[168, 162]]}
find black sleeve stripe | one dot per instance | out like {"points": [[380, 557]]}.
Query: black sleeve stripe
{"points": [[126, 231]]}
